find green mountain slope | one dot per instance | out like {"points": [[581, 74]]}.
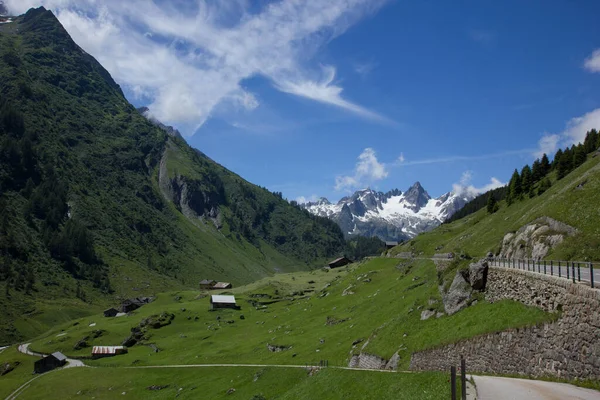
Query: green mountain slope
{"points": [[98, 203], [572, 200]]}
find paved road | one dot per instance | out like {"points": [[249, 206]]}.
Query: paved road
{"points": [[497, 388]]}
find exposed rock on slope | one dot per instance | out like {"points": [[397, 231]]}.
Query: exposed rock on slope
{"points": [[464, 283], [535, 240]]}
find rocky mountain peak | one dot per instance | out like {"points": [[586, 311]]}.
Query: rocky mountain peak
{"points": [[416, 197], [145, 111]]}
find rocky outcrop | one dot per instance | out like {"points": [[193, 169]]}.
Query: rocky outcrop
{"points": [[188, 195], [535, 240], [464, 283], [567, 348]]}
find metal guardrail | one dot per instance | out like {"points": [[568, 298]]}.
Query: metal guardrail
{"points": [[577, 271]]}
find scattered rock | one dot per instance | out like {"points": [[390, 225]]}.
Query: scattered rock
{"points": [[357, 341], [334, 321], [157, 387], [242, 316], [348, 291], [8, 367], [426, 314], [230, 391], [277, 348], [82, 343]]}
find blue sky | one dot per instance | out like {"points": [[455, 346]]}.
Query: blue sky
{"points": [[316, 98]]}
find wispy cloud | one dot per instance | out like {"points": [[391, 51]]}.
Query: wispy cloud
{"points": [[464, 186], [189, 58], [364, 69], [574, 132], [368, 170], [309, 199], [592, 63], [402, 162]]}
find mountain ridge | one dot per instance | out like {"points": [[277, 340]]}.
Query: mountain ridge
{"points": [[393, 215]]}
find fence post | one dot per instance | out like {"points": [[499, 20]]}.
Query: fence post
{"points": [[539, 263], [559, 271], [544, 267], [592, 275], [573, 271], [463, 379], [453, 382], [579, 272], [551, 267], [567, 270]]}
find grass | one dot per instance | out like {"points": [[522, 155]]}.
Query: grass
{"points": [[481, 232], [381, 304], [18, 376], [214, 382]]}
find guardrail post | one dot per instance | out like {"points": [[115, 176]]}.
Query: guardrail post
{"points": [[592, 275], [573, 271], [567, 270], [579, 272], [453, 382], [544, 267], [551, 267], [559, 271], [463, 379]]}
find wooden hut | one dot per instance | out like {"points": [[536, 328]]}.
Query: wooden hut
{"points": [[207, 283], [389, 245], [222, 285], [111, 312], [339, 262], [50, 362], [108, 351]]}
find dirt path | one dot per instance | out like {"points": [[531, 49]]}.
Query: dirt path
{"points": [[71, 363], [497, 388]]}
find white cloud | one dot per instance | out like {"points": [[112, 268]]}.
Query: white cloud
{"points": [[367, 170], [310, 199], [464, 186], [592, 63], [401, 158], [402, 162], [574, 133], [189, 59]]}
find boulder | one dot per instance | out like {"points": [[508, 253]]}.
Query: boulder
{"points": [[458, 295], [426, 314], [478, 275]]}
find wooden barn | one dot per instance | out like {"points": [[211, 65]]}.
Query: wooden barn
{"points": [[111, 312], [207, 283], [222, 285], [48, 363], [339, 262], [221, 301], [108, 351]]}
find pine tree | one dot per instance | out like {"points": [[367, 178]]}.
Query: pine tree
{"points": [[557, 157], [579, 156], [545, 165], [563, 163], [545, 184], [526, 179], [492, 204], [536, 170], [514, 188], [591, 140]]}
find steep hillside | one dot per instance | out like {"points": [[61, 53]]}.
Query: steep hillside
{"points": [[393, 216], [571, 200], [98, 202]]}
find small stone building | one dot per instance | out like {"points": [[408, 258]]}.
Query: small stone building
{"points": [[222, 285], [111, 312], [221, 301], [207, 283], [339, 262], [48, 363]]}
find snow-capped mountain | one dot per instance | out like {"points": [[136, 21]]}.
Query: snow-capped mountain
{"points": [[390, 216]]}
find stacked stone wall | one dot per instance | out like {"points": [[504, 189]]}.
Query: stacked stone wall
{"points": [[568, 348]]}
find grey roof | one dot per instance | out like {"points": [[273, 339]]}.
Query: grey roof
{"points": [[222, 299], [391, 243], [207, 282], [59, 356]]}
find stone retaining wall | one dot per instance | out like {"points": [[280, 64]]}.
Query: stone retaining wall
{"points": [[568, 348]]}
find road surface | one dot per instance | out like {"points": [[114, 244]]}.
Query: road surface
{"points": [[497, 388]]}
